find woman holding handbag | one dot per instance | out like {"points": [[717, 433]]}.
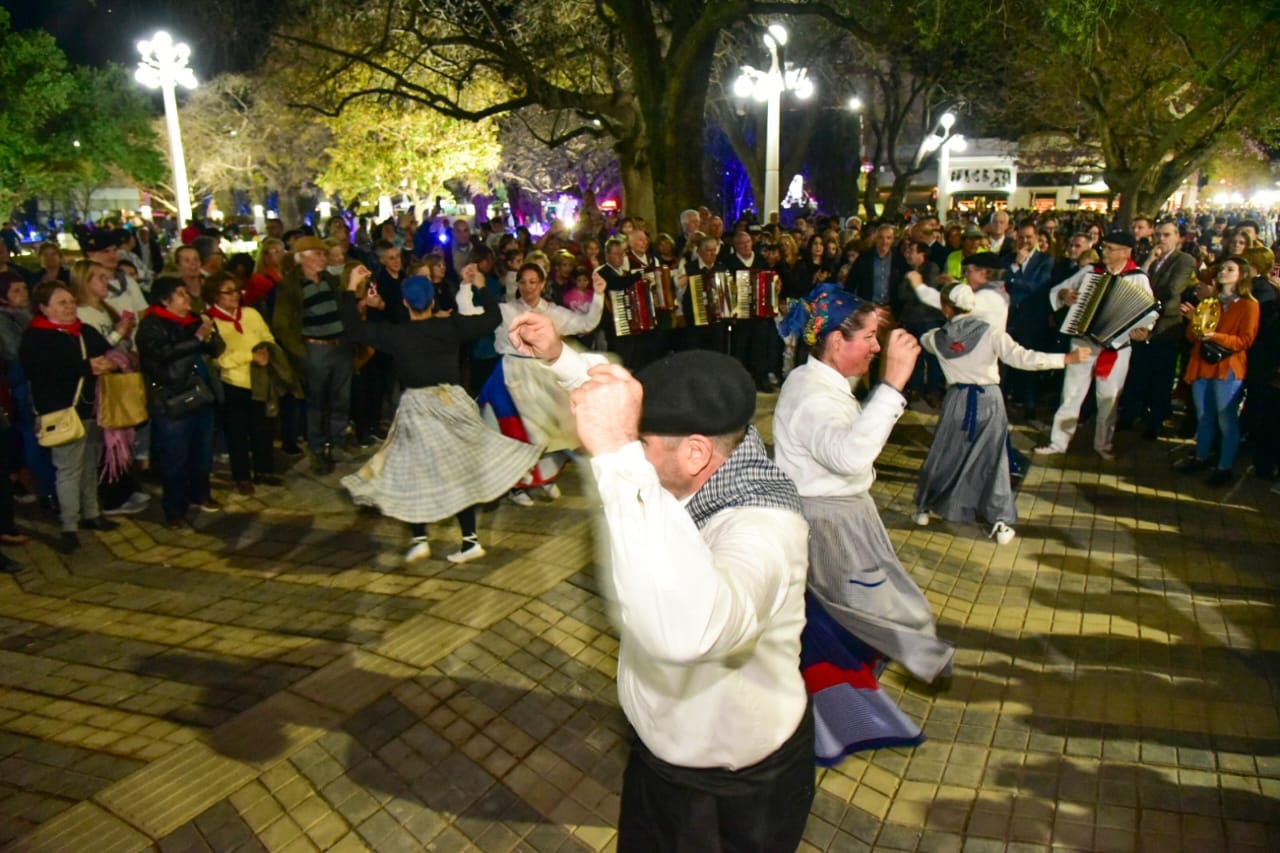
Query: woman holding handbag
{"points": [[173, 344], [90, 282], [244, 419], [62, 359], [1216, 368]]}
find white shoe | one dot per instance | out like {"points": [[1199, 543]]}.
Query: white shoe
{"points": [[1048, 450], [473, 551], [136, 503], [922, 519], [1107, 455], [519, 497], [419, 550], [1002, 533], [552, 491]]}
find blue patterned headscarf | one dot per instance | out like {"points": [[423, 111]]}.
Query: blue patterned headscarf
{"points": [[827, 306]]}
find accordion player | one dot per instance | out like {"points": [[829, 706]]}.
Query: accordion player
{"points": [[1108, 307]]}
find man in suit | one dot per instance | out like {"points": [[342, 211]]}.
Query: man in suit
{"points": [[1149, 390], [874, 276], [1027, 284]]}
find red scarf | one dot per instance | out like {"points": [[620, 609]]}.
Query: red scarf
{"points": [[1107, 358], [166, 314], [218, 314], [39, 321]]}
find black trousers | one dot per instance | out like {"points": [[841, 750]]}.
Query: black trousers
{"points": [[749, 340], [1148, 390], [248, 433], [637, 351], [368, 391], [759, 809]]}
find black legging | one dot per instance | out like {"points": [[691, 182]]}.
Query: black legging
{"points": [[466, 520]]}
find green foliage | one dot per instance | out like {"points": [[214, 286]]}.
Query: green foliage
{"points": [[1156, 86], [50, 105], [382, 149]]}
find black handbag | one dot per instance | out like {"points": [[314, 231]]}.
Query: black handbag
{"points": [[195, 397], [1212, 352]]}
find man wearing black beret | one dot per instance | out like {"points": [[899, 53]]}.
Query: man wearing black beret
{"points": [[708, 560], [1107, 370]]}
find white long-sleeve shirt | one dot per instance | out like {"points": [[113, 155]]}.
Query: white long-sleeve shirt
{"points": [[565, 321], [990, 303], [823, 439], [979, 365], [710, 619]]}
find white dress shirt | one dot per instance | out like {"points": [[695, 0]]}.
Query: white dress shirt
{"points": [[823, 439], [710, 619]]}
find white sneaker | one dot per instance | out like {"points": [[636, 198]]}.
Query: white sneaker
{"points": [[1048, 450], [136, 503], [519, 497], [922, 519], [552, 491], [1002, 533], [473, 551], [419, 550], [1107, 455]]}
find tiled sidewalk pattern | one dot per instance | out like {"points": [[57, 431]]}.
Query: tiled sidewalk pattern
{"points": [[275, 681]]}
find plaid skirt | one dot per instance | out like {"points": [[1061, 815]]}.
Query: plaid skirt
{"points": [[439, 458]]}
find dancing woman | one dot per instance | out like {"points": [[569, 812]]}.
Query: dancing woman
{"points": [[966, 475], [828, 443], [439, 458], [522, 399]]}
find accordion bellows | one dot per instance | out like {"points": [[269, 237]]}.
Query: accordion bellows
{"points": [[1107, 308]]}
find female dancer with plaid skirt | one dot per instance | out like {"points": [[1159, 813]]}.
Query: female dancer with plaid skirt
{"points": [[966, 474], [439, 458]]}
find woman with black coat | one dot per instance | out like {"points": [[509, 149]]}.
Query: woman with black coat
{"points": [[62, 359], [182, 390]]}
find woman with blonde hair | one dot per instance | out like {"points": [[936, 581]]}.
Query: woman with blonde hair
{"points": [[1216, 368]]}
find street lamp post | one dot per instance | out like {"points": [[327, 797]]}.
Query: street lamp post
{"points": [[164, 66], [768, 86], [855, 106], [944, 143]]}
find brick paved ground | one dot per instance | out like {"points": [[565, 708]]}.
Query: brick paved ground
{"points": [[274, 681]]}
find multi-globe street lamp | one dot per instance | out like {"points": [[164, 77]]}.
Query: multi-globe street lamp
{"points": [[768, 86], [164, 67]]}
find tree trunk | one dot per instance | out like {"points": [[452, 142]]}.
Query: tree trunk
{"points": [[897, 196], [869, 200]]}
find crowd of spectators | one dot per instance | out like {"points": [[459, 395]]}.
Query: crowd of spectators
{"points": [[242, 354]]}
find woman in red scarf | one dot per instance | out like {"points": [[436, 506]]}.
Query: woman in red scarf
{"points": [[182, 390], [62, 359], [244, 419]]}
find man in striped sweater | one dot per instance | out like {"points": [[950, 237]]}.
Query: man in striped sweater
{"points": [[307, 326]]}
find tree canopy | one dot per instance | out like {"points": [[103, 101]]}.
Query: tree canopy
{"points": [[1155, 86], [67, 129]]}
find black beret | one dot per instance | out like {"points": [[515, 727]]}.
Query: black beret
{"points": [[987, 260], [1120, 238], [696, 392], [96, 241]]}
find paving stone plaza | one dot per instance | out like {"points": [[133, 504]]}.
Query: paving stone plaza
{"points": [[274, 680]]}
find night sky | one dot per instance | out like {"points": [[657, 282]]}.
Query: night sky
{"points": [[223, 34]]}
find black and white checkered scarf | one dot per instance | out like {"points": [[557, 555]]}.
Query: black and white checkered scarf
{"points": [[747, 478]]}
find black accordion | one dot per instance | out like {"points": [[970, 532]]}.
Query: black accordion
{"points": [[1107, 308]]}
